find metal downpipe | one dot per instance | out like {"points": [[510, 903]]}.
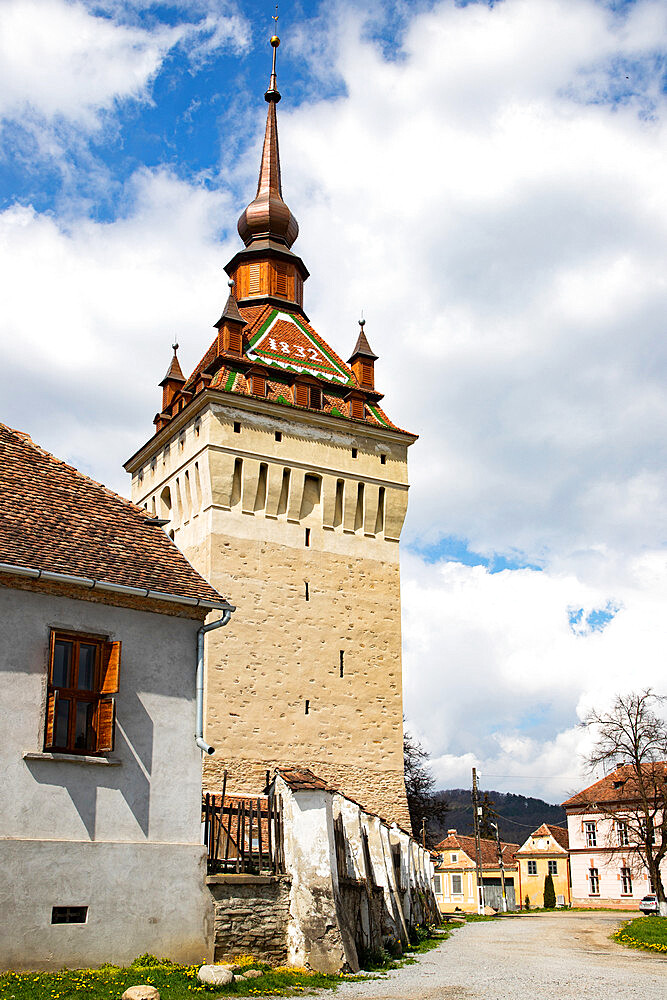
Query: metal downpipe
{"points": [[199, 735]]}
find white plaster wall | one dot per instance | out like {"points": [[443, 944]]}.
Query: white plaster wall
{"points": [[134, 829]]}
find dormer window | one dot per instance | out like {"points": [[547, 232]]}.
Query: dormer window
{"points": [[258, 385]]}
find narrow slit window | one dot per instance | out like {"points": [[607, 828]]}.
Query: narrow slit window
{"points": [[307, 706], [383, 459], [341, 663], [354, 453], [307, 592], [237, 427], [278, 436], [307, 539], [69, 914]]}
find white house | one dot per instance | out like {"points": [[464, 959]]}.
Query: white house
{"points": [[100, 824], [607, 865]]}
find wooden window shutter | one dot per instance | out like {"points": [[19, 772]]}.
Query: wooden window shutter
{"points": [[110, 668], [301, 394], [259, 385], [367, 374], [281, 280], [316, 397], [254, 279], [234, 341], [50, 718], [357, 409], [106, 724]]}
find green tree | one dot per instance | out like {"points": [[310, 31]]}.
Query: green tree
{"points": [[549, 893]]}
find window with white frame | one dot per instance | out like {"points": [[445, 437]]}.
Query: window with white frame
{"points": [[593, 882], [532, 867], [626, 882], [622, 834], [591, 834], [553, 867], [455, 858], [437, 885], [457, 885]]}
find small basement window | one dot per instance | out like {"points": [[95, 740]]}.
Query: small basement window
{"points": [[69, 914]]}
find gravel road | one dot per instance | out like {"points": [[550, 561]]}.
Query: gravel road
{"points": [[560, 956]]}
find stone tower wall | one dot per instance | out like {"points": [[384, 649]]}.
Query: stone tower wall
{"points": [[301, 534]]}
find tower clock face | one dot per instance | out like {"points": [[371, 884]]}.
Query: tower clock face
{"points": [[284, 342]]}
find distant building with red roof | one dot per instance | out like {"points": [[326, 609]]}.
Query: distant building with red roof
{"points": [[604, 826], [456, 884]]}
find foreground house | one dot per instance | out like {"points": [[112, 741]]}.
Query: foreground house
{"points": [[605, 824], [544, 853], [456, 886], [100, 826]]}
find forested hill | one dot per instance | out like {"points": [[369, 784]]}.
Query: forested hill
{"points": [[511, 810]]}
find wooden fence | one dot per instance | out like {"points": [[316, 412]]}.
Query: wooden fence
{"points": [[243, 835]]}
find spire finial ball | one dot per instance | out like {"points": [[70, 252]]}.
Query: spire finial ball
{"points": [[175, 346], [362, 322], [230, 283], [275, 41]]}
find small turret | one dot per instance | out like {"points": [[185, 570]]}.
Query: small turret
{"points": [[173, 381], [362, 360], [230, 327]]}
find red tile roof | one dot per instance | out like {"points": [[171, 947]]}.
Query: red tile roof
{"points": [[557, 833], [302, 779], [488, 850], [54, 519], [282, 341], [619, 786]]}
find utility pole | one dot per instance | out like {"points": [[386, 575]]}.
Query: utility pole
{"points": [[476, 812], [501, 865]]}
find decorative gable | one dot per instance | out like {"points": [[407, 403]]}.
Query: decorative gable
{"points": [[283, 341]]}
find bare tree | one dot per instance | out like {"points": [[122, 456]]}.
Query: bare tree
{"points": [[632, 738], [424, 805]]}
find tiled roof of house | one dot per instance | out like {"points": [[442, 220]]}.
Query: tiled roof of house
{"points": [[488, 850], [619, 786], [557, 833], [285, 345], [301, 779], [55, 519]]}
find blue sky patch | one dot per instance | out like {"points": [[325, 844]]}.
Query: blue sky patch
{"points": [[453, 549], [582, 623]]}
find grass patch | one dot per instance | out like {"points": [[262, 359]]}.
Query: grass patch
{"points": [[175, 982], [647, 933]]}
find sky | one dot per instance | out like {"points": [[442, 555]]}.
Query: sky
{"points": [[487, 181]]}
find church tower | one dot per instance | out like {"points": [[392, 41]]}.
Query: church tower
{"points": [[285, 484]]}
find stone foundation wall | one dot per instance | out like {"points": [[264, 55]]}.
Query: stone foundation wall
{"points": [[606, 904], [251, 914]]}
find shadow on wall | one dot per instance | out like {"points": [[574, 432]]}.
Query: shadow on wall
{"points": [[134, 747]]}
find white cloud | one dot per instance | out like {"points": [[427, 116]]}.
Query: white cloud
{"points": [[61, 61], [57, 60], [90, 310], [496, 677], [507, 240]]}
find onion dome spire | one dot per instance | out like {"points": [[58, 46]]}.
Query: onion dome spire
{"points": [[268, 217]]}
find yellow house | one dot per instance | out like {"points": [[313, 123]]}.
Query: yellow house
{"points": [[456, 874], [546, 852]]}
